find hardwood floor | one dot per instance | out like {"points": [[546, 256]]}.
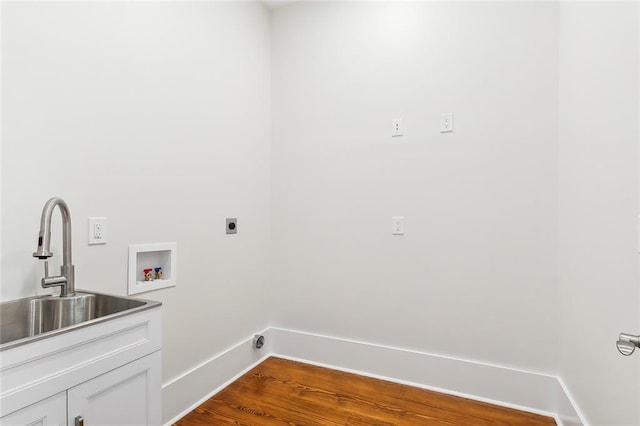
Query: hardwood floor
{"points": [[283, 392]]}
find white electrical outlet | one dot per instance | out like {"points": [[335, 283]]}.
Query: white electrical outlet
{"points": [[446, 122], [396, 127], [97, 230], [397, 225]]}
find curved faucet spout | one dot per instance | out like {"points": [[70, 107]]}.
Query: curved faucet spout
{"points": [[66, 278]]}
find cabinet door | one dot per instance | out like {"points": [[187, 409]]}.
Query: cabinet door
{"points": [[48, 412], [126, 396]]}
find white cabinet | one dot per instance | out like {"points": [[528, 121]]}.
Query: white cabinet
{"points": [[108, 373], [124, 396], [50, 412]]}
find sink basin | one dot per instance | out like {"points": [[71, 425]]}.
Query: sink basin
{"points": [[33, 318]]}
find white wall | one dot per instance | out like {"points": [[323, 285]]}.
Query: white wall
{"points": [[160, 116], [598, 187], [155, 115], [474, 276]]}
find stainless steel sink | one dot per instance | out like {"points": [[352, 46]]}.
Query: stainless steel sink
{"points": [[25, 320]]}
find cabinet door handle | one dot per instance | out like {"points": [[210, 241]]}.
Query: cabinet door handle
{"points": [[79, 421]]}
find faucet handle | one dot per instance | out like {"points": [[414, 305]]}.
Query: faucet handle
{"points": [[53, 281], [48, 281]]}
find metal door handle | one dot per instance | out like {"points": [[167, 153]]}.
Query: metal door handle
{"points": [[627, 343], [79, 421]]}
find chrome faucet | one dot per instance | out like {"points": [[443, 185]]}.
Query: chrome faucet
{"points": [[66, 278]]}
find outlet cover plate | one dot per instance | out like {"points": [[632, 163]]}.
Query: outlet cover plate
{"points": [[446, 122], [232, 225], [397, 225], [397, 127], [97, 230]]}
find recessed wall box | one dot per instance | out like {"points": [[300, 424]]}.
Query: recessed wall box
{"points": [[151, 256]]}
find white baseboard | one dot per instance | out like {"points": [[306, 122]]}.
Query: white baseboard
{"points": [[509, 387], [184, 393], [523, 390], [568, 410]]}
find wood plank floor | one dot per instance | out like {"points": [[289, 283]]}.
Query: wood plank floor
{"points": [[283, 392]]}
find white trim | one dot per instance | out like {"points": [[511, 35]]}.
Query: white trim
{"points": [[409, 351], [210, 360], [421, 386], [574, 415], [505, 386], [524, 390], [215, 391], [210, 377]]}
